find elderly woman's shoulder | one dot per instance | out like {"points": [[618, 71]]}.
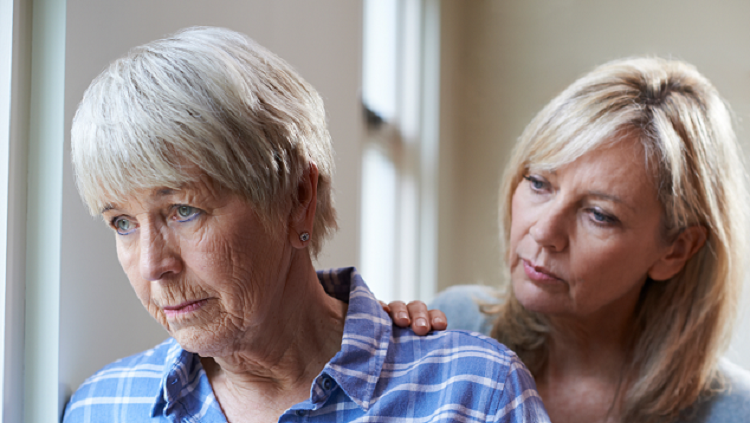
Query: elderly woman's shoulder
{"points": [[731, 403], [462, 305], [148, 367], [469, 354]]}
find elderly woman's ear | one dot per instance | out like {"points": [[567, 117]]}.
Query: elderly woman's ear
{"points": [[302, 216], [687, 243]]}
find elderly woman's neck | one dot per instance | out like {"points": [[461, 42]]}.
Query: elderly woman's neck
{"points": [[291, 347]]}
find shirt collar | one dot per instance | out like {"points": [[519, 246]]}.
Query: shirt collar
{"points": [[367, 332], [183, 376]]}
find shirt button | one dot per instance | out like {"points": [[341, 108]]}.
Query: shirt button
{"points": [[327, 384], [300, 413]]}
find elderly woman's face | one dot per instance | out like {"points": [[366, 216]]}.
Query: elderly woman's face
{"points": [[201, 262], [585, 237]]}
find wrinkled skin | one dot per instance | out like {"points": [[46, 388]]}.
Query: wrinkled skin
{"points": [[241, 294], [220, 255]]}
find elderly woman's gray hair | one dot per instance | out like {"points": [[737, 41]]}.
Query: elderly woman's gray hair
{"points": [[205, 101]]}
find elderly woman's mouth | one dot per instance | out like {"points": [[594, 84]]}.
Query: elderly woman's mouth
{"points": [[184, 308]]}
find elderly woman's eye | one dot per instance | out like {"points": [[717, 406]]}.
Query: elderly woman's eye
{"points": [[186, 213], [122, 225]]}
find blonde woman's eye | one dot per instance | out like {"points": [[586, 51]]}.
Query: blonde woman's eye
{"points": [[537, 184], [601, 218], [186, 213], [122, 225]]}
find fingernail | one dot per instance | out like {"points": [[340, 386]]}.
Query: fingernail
{"points": [[421, 322], [402, 315], [438, 321]]}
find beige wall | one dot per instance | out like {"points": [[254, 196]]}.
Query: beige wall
{"points": [[100, 317], [502, 61]]}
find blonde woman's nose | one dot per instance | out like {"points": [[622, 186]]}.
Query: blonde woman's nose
{"points": [[550, 228]]}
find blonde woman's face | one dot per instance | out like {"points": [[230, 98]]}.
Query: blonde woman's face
{"points": [[585, 237]]}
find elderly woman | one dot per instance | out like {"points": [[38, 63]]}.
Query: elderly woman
{"points": [[209, 158], [623, 215]]}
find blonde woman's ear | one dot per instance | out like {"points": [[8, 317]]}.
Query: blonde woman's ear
{"points": [[687, 243]]}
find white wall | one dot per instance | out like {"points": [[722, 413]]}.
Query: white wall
{"points": [[504, 60], [100, 317]]}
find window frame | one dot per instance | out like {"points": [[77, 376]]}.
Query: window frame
{"points": [[32, 139], [401, 94]]}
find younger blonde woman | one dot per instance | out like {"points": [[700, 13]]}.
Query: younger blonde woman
{"points": [[623, 217]]}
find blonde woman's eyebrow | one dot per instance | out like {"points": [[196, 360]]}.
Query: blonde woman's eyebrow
{"points": [[541, 169], [609, 197]]}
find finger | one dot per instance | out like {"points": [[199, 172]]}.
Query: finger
{"points": [[399, 314], [438, 320], [385, 307], [420, 322]]}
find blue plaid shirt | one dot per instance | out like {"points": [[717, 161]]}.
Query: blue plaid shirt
{"points": [[381, 374]]}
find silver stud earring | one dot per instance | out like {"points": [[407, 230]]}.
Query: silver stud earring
{"points": [[304, 236]]}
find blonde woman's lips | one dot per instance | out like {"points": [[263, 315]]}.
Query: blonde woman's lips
{"points": [[539, 274], [184, 308]]}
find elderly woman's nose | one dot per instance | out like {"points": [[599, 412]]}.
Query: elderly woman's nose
{"points": [[158, 257], [549, 229]]}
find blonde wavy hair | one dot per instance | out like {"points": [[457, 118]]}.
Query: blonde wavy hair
{"points": [[684, 324], [211, 99]]}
